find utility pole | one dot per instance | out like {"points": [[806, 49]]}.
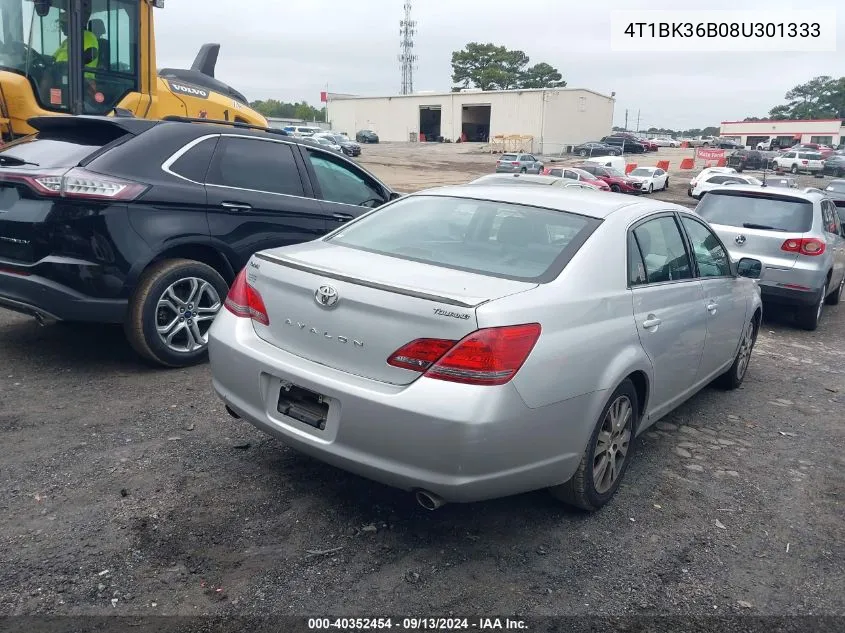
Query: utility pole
{"points": [[638, 120], [407, 30], [626, 119]]}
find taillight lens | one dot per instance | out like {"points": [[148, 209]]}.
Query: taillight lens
{"points": [[80, 183], [805, 246], [245, 301], [490, 356]]}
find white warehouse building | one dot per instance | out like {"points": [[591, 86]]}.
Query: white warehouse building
{"points": [[554, 117]]}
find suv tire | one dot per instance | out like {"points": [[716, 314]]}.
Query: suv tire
{"points": [[834, 298], [794, 169], [167, 290], [808, 318]]}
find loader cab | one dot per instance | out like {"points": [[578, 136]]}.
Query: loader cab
{"points": [[80, 56]]}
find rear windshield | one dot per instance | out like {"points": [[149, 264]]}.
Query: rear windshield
{"points": [[792, 215], [508, 157], [497, 239], [45, 152]]}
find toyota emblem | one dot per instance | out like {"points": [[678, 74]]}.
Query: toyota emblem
{"points": [[740, 239], [326, 297]]}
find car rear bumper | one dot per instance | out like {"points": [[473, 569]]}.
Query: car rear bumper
{"points": [[783, 294], [464, 443], [43, 298]]}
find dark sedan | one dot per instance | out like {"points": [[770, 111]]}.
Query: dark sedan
{"points": [[596, 149], [366, 136], [834, 165]]}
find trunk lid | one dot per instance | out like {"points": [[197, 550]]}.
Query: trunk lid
{"points": [[382, 304]]}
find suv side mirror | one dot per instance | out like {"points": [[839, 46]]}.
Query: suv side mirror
{"points": [[750, 268], [394, 195]]}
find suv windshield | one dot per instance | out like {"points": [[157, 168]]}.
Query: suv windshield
{"points": [[742, 209]]}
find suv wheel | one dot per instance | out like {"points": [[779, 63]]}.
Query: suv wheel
{"points": [[607, 455], [794, 169], [808, 318], [836, 297], [172, 310], [582, 152]]}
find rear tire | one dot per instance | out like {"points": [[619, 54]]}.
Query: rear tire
{"points": [[582, 152], [794, 169], [836, 297], [608, 440], [615, 188], [523, 171], [733, 378], [167, 291], [808, 318], [651, 187]]}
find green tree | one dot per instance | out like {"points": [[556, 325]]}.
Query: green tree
{"points": [[821, 97], [282, 109], [492, 67]]}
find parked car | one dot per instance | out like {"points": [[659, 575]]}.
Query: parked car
{"points": [[836, 191], [795, 234], [574, 173], [326, 142], [530, 179], [707, 172], [596, 149], [625, 144], [350, 148], [781, 181], [794, 162], [727, 143], [743, 159], [616, 162], [462, 398], [366, 136], [145, 223], [518, 163], [301, 130], [615, 179], [666, 142], [649, 145], [834, 165], [650, 179], [714, 181]]}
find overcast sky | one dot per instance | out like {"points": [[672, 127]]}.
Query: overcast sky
{"points": [[291, 52]]}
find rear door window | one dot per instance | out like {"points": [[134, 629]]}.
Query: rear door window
{"points": [[767, 212], [663, 251], [256, 165], [486, 237]]}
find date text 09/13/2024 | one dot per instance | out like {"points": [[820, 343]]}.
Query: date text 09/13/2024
{"points": [[417, 624]]}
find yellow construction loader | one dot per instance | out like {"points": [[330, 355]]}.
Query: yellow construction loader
{"points": [[68, 57]]}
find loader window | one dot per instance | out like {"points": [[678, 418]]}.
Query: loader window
{"points": [[115, 24]]}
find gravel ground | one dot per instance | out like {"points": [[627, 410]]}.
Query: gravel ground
{"points": [[126, 490]]}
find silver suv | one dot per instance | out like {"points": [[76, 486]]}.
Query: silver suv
{"points": [[796, 234]]}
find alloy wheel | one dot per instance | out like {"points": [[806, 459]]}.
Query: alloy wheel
{"points": [[612, 444], [745, 350], [185, 312]]}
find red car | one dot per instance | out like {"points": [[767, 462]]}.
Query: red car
{"points": [[575, 173], [615, 179], [650, 146]]}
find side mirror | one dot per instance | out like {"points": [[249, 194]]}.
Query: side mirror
{"points": [[394, 195], [749, 268]]}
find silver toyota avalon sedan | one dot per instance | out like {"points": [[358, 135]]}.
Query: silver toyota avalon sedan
{"points": [[472, 342]]}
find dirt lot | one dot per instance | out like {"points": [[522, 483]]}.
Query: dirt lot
{"points": [[128, 490], [413, 166]]}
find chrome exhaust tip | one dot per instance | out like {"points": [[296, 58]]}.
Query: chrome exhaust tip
{"points": [[428, 500]]}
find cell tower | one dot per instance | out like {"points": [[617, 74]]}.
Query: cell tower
{"points": [[407, 30]]}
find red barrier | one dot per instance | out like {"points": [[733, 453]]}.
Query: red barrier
{"points": [[630, 167], [663, 164], [688, 163], [422, 137], [722, 162], [685, 144]]}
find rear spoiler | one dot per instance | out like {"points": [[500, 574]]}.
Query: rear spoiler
{"points": [[82, 124]]}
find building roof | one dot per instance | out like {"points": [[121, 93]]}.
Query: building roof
{"points": [[333, 96], [786, 121]]}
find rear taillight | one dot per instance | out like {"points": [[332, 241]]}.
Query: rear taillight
{"points": [[79, 183], [245, 301], [805, 162], [805, 246], [490, 356]]}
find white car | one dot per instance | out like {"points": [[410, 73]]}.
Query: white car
{"points": [[720, 180], [795, 161], [666, 142], [704, 173], [614, 162], [650, 179]]}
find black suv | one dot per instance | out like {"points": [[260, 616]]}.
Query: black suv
{"points": [[146, 223], [747, 159], [627, 144]]}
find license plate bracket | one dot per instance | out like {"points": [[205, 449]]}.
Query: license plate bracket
{"points": [[304, 405]]}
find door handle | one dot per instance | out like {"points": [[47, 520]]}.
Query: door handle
{"points": [[342, 217], [236, 206], [711, 307], [651, 322]]}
